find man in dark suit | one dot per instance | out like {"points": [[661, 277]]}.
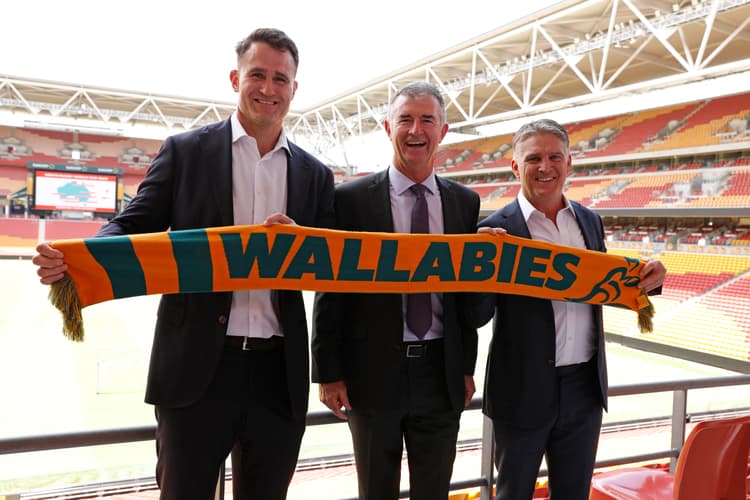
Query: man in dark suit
{"points": [[229, 371], [394, 378], [546, 381]]}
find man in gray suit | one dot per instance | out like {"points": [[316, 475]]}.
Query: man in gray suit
{"points": [[229, 371], [399, 376]]}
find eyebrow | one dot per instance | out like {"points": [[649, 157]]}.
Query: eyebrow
{"points": [[423, 117]]}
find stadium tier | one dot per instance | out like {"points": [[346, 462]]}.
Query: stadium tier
{"points": [[679, 127], [713, 121], [689, 185], [17, 232], [703, 306], [24, 145], [11, 179]]}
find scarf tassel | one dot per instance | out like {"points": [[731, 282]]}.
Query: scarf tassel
{"points": [[64, 296], [645, 313]]}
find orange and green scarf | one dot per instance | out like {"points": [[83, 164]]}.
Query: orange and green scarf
{"points": [[289, 257]]}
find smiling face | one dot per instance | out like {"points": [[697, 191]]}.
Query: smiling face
{"points": [[266, 85], [415, 128], [542, 163]]}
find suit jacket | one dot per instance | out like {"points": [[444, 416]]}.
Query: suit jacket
{"points": [[187, 186], [358, 338], [520, 381]]}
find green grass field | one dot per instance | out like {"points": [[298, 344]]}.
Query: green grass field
{"points": [[49, 384]]}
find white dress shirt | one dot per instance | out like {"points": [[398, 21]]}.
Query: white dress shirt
{"points": [[259, 189], [574, 322], [402, 203]]}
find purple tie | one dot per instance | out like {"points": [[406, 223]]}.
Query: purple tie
{"points": [[419, 305]]}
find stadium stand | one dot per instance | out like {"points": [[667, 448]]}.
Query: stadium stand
{"points": [[12, 179], [635, 130], [702, 293], [585, 135], [57, 229], [48, 146], [715, 121], [16, 232]]}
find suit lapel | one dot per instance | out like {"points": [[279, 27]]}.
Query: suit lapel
{"points": [[587, 228], [215, 148], [515, 223], [297, 183], [379, 198], [451, 208]]}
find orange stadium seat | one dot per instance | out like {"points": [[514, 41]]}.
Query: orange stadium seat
{"points": [[712, 466]]}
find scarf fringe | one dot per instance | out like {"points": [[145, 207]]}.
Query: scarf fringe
{"points": [[64, 296], [646, 314]]}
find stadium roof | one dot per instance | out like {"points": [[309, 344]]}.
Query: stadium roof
{"points": [[573, 53]]}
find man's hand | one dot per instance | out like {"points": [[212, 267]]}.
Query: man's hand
{"points": [[492, 230], [652, 275], [50, 264], [469, 389], [335, 397], [278, 218]]}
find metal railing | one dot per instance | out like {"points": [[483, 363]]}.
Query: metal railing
{"points": [[679, 419]]}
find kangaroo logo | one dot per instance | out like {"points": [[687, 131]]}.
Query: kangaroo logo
{"points": [[609, 287]]}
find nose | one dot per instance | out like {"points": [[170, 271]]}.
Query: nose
{"points": [[266, 86], [416, 127]]}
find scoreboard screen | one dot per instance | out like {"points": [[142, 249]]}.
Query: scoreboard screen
{"points": [[88, 192]]}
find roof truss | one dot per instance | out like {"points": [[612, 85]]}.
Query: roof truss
{"points": [[573, 53]]}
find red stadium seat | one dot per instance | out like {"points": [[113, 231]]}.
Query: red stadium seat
{"points": [[712, 466]]}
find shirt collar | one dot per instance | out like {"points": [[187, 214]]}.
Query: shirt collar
{"points": [[238, 131], [402, 183], [527, 209]]}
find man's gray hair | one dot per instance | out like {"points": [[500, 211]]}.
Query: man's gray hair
{"points": [[418, 89], [543, 126]]}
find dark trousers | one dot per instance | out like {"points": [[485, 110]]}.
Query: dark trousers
{"points": [[245, 410], [569, 439], [425, 421]]}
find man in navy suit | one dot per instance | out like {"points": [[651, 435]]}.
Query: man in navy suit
{"points": [[546, 381], [229, 371], [394, 379]]}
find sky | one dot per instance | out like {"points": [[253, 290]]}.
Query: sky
{"points": [[186, 48]]}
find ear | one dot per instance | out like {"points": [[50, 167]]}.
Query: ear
{"points": [[234, 77], [514, 168], [443, 131], [294, 88]]}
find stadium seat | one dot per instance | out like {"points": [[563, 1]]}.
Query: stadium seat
{"points": [[712, 465]]}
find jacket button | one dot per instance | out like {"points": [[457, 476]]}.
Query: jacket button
{"points": [[222, 319], [551, 362]]}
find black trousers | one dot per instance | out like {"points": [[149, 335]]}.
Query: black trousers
{"points": [[424, 421], [245, 411], [569, 439]]}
